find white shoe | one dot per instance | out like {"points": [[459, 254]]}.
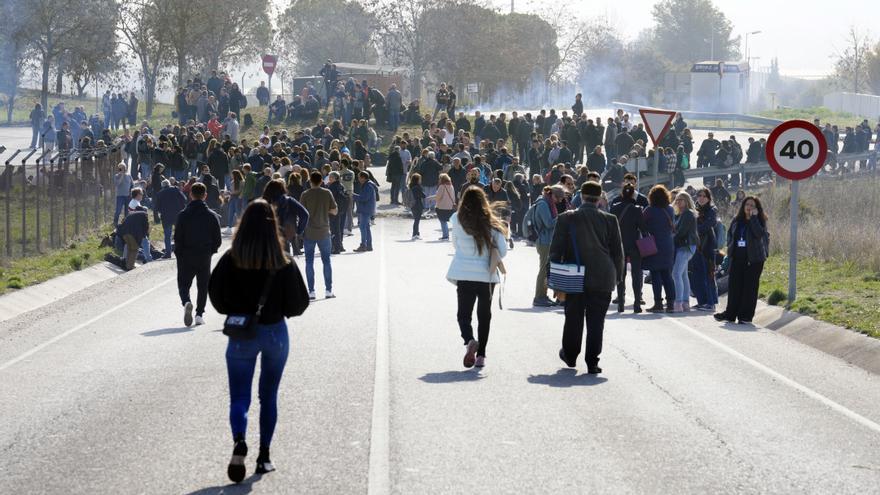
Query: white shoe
{"points": [[188, 314], [415, 237], [329, 295], [312, 295], [199, 320], [227, 231]]}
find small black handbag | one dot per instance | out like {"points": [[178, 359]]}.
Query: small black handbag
{"points": [[244, 326]]}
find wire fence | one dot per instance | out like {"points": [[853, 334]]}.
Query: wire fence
{"points": [[53, 197]]}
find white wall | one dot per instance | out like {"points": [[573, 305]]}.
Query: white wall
{"points": [[854, 103]]}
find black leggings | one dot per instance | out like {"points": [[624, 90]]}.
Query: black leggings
{"points": [[480, 293], [417, 217]]}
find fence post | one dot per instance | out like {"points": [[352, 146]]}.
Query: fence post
{"points": [[8, 187], [64, 197], [97, 191], [77, 184], [51, 192], [23, 209]]}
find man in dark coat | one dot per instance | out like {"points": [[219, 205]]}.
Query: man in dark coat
{"points": [[706, 153], [598, 241], [196, 239], [169, 202]]}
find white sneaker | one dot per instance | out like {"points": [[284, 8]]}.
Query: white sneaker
{"points": [[188, 314], [329, 295], [227, 231], [199, 320], [312, 295], [415, 237]]}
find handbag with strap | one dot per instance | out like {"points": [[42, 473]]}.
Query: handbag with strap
{"points": [[244, 326], [568, 277], [647, 245]]}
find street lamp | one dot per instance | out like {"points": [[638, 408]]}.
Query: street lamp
{"points": [[747, 43]]}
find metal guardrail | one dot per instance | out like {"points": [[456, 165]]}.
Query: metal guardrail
{"points": [[738, 117], [647, 181]]}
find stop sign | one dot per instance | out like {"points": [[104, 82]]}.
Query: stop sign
{"points": [[269, 62]]}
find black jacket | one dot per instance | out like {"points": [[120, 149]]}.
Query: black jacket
{"points": [[756, 236], [197, 231], [136, 224], [632, 223], [237, 291], [169, 202], [598, 241]]}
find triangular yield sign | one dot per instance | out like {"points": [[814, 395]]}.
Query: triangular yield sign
{"points": [[657, 123]]}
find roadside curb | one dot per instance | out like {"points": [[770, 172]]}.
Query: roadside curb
{"points": [[853, 347]]}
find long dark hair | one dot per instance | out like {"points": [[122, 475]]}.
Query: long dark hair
{"points": [[477, 218], [256, 245], [741, 214]]}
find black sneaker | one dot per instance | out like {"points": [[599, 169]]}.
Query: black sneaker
{"points": [[264, 465], [723, 317], [236, 469]]}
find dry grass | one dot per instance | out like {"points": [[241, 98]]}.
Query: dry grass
{"points": [[838, 220]]}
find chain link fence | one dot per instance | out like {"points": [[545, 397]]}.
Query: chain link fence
{"points": [[52, 197]]}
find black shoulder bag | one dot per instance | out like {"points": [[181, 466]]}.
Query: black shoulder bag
{"points": [[244, 326]]}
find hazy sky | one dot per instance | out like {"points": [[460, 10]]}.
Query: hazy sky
{"points": [[804, 34]]}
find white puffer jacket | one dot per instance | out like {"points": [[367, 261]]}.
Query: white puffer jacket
{"points": [[467, 264]]}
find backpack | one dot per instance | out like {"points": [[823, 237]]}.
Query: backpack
{"points": [[528, 224]]}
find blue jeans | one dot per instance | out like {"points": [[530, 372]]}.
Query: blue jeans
{"points": [[702, 282], [429, 191], [661, 280], [324, 245], [680, 273], [364, 226], [273, 345], [166, 229], [394, 119], [444, 227], [234, 208], [121, 201]]}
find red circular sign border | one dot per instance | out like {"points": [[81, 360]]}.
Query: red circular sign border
{"points": [[796, 124]]}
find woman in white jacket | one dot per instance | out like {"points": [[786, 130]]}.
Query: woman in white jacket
{"points": [[476, 233]]}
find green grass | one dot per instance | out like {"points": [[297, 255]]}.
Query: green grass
{"points": [[841, 119], [842, 294], [78, 254], [26, 98]]}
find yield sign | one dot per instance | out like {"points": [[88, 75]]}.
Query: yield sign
{"points": [[656, 123]]}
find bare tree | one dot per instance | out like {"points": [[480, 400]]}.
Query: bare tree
{"points": [[142, 23], [239, 31], [851, 65], [14, 53]]}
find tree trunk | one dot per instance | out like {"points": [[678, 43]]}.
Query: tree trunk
{"points": [[10, 106], [181, 69], [44, 88], [80, 88], [59, 83], [150, 96]]}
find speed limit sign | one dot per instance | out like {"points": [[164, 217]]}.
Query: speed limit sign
{"points": [[796, 149]]}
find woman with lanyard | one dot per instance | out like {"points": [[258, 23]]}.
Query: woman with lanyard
{"points": [[748, 247], [480, 240]]}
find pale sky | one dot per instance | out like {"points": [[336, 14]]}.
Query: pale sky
{"points": [[804, 34]]}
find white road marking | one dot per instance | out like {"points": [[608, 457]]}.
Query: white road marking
{"points": [[79, 327], [379, 475], [858, 418]]}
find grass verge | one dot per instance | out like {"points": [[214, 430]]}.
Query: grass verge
{"points": [[841, 119], [78, 254], [842, 294]]}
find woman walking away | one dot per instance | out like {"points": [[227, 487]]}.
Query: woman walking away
{"points": [[685, 240], [632, 227], [255, 279], [658, 218], [703, 263], [445, 198], [748, 245], [417, 196], [480, 243]]}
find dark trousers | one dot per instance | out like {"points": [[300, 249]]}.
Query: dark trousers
{"points": [[590, 307], [200, 269], [336, 230], [662, 280], [480, 293], [395, 190], [635, 260], [742, 297], [417, 217]]}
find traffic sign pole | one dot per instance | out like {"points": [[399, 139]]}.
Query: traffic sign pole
{"points": [[793, 246], [796, 150], [657, 124]]}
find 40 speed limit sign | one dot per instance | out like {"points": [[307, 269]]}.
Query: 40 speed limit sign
{"points": [[796, 150]]}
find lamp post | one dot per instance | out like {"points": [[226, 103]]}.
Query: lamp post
{"points": [[747, 43]]}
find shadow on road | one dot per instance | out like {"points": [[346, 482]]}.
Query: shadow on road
{"points": [[167, 331], [538, 309], [740, 327], [242, 488], [452, 376], [567, 377]]}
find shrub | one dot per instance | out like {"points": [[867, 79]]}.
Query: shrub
{"points": [[776, 297], [76, 263], [14, 283]]}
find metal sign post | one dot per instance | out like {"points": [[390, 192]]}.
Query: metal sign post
{"points": [[796, 150]]}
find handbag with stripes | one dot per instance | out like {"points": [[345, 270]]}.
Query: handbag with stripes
{"points": [[567, 277]]}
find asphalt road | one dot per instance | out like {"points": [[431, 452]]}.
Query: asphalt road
{"points": [[106, 392]]}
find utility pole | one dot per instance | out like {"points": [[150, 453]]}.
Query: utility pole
{"points": [[512, 9]]}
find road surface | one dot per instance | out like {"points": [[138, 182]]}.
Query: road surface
{"points": [[106, 392]]}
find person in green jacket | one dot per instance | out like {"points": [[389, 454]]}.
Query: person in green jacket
{"points": [[250, 183]]}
